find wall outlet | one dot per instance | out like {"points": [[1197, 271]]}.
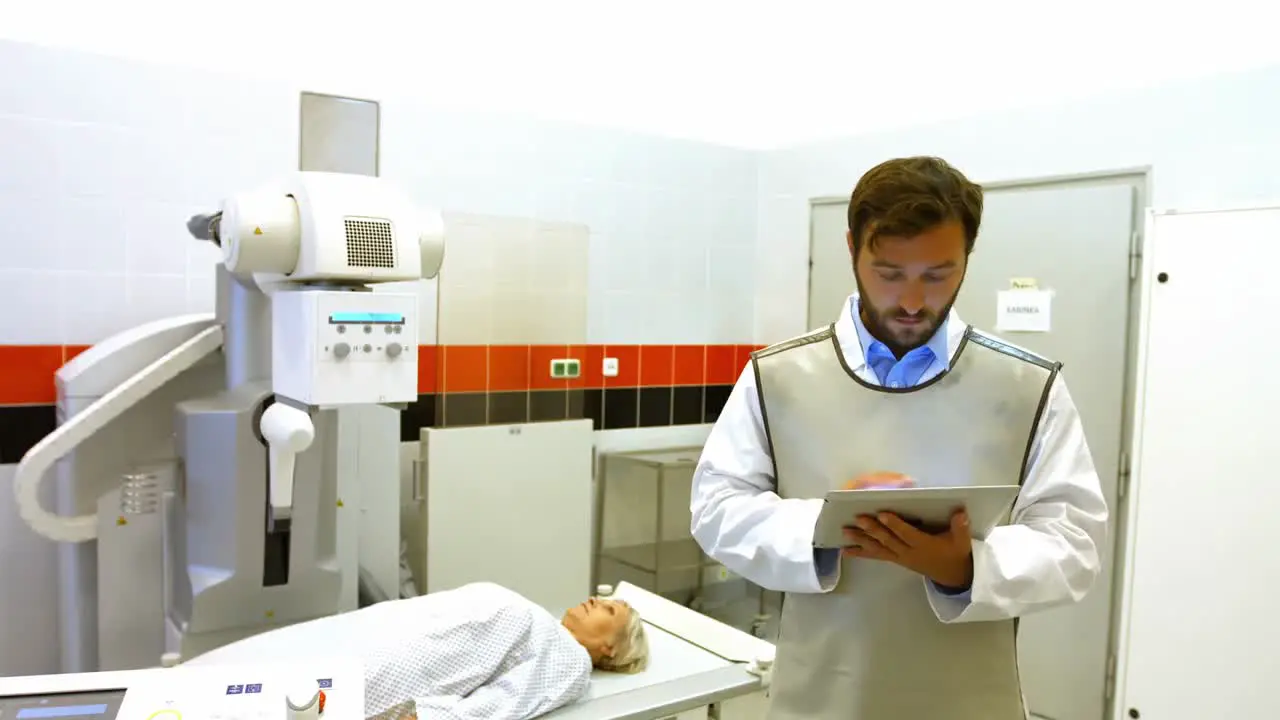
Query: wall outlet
{"points": [[563, 368], [611, 367]]}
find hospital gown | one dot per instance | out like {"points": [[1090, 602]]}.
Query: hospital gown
{"points": [[479, 651]]}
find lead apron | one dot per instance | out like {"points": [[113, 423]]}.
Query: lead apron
{"points": [[872, 648]]}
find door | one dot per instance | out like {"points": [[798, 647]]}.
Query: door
{"points": [[830, 268], [1074, 239], [1200, 638]]}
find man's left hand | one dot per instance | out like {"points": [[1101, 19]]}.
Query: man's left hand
{"points": [[945, 558]]}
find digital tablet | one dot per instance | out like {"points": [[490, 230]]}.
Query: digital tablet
{"points": [[929, 509]]}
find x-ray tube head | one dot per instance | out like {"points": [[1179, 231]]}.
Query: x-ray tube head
{"points": [[260, 232], [317, 227], [431, 242]]}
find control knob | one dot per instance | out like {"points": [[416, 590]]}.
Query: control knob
{"points": [[304, 700], [394, 350], [341, 350]]}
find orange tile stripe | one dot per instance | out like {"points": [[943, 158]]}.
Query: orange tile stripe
{"points": [[26, 371]]}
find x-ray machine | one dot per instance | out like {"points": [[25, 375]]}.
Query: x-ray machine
{"points": [[199, 460]]}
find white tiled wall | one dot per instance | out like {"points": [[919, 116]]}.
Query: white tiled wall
{"points": [[102, 160], [513, 281], [671, 222], [1209, 143]]}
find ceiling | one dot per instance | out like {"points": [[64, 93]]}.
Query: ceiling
{"points": [[705, 69]]}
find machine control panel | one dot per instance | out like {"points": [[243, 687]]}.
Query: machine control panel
{"points": [[365, 333], [333, 348], [212, 692]]}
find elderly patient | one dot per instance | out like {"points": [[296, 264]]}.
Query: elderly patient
{"points": [[478, 651]]}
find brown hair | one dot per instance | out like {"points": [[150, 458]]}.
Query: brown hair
{"points": [[904, 197]]}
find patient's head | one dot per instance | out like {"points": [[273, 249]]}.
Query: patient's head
{"points": [[611, 632]]}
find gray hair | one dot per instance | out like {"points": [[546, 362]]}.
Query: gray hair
{"points": [[630, 648]]}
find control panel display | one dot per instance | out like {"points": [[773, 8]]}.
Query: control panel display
{"points": [[102, 705], [365, 335], [62, 711], [365, 318]]}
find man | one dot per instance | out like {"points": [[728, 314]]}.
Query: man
{"points": [[900, 391]]}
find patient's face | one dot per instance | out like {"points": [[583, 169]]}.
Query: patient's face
{"points": [[596, 623]]}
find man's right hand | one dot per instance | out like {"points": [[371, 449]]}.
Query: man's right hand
{"points": [[879, 481]]}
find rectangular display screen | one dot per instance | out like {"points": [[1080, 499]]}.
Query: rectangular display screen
{"points": [[366, 318], [90, 705], [65, 711]]}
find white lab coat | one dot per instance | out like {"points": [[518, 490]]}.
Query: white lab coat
{"points": [[1047, 557]]}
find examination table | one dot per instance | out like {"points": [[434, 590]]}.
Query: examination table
{"points": [[696, 665]]}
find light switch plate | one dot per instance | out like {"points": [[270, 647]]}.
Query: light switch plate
{"points": [[611, 367]]}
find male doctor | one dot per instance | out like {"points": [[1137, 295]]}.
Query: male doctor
{"points": [[902, 624]]}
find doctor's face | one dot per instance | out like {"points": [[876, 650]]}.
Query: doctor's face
{"points": [[908, 285]]}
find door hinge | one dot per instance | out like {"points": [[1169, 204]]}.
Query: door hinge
{"points": [[1111, 677], [1135, 254], [1122, 479]]}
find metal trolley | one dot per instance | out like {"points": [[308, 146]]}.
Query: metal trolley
{"points": [[653, 548]]}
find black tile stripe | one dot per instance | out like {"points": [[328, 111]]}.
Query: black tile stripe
{"points": [[713, 401], [655, 406], [426, 412], [621, 408], [22, 426]]}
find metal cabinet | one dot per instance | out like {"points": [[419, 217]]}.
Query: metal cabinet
{"points": [[642, 522], [642, 536]]}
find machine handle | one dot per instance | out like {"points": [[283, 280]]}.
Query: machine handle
{"points": [[35, 465], [418, 486]]}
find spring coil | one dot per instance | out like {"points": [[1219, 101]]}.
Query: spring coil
{"points": [[139, 494]]}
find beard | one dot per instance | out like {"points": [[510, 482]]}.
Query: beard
{"points": [[900, 339]]}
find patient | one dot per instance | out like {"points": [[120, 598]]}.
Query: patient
{"points": [[478, 651], [611, 633]]}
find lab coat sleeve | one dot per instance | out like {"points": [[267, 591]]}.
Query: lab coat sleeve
{"points": [[738, 518], [1048, 556]]}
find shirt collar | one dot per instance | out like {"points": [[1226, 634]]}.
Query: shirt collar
{"points": [[853, 336]]}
